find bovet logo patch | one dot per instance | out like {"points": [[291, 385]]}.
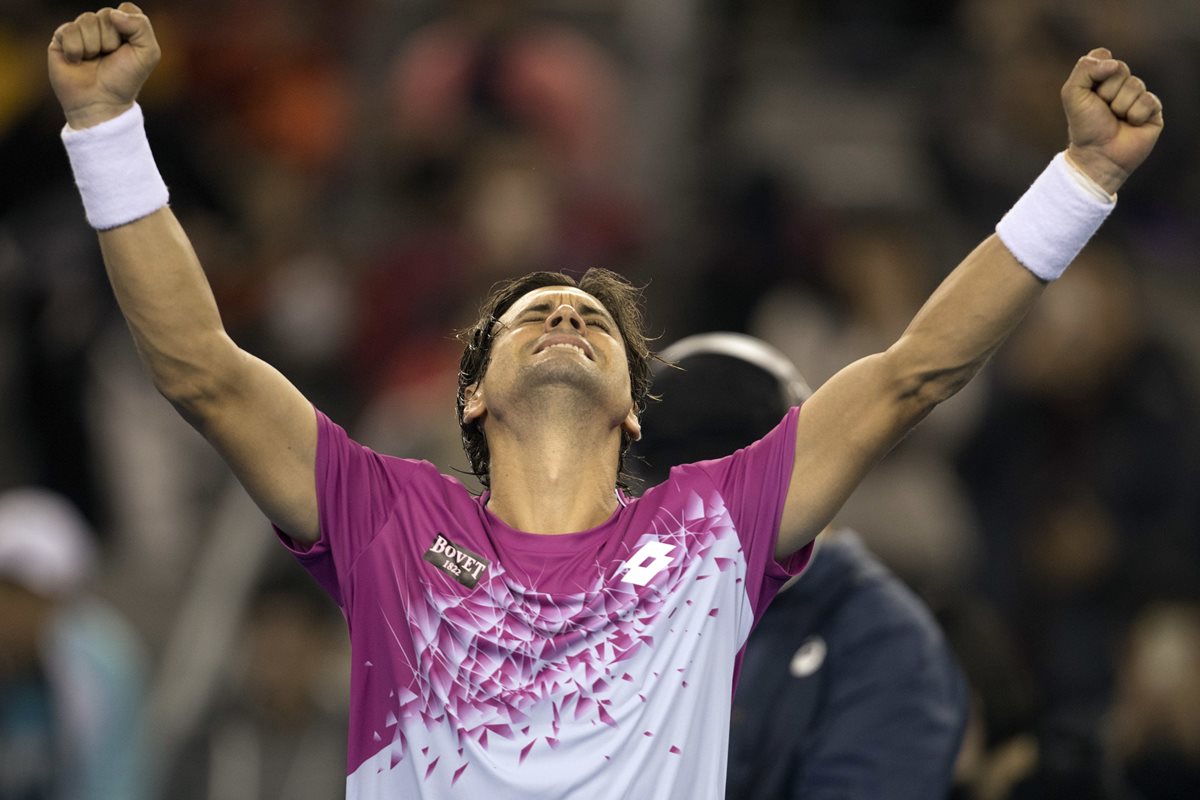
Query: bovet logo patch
{"points": [[456, 561]]}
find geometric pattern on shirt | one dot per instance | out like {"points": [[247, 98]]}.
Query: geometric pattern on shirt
{"points": [[485, 657]]}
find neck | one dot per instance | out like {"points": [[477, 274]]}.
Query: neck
{"points": [[553, 475]]}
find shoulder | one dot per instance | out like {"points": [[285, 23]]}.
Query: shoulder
{"points": [[680, 479], [336, 444]]}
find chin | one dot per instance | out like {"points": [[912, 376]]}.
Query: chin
{"points": [[569, 380], [567, 372]]}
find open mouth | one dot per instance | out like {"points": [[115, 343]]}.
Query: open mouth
{"points": [[572, 343]]}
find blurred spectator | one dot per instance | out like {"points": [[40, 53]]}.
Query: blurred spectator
{"points": [[1084, 472], [847, 688], [1010, 751], [71, 672], [999, 748], [759, 237], [276, 79], [278, 728], [499, 66], [1154, 722]]}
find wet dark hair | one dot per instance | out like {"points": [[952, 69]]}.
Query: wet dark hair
{"points": [[622, 299]]}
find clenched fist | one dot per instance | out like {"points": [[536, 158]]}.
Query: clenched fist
{"points": [[1113, 120], [99, 62]]}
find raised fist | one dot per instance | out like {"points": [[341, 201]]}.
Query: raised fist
{"points": [[1113, 120], [99, 62]]}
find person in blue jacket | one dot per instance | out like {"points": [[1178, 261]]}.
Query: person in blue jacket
{"points": [[847, 688]]}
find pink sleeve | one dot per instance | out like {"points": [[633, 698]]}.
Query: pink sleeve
{"points": [[754, 482], [357, 490]]}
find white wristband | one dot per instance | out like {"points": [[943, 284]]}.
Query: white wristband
{"points": [[1054, 219], [115, 170]]}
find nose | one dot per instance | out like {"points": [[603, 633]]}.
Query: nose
{"points": [[565, 315]]}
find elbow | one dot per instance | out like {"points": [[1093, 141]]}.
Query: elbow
{"points": [[929, 389], [188, 392], [198, 382], [921, 385]]}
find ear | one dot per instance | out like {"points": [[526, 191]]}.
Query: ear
{"points": [[632, 425], [474, 406]]}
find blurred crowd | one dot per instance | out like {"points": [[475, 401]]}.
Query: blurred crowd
{"points": [[355, 175]]}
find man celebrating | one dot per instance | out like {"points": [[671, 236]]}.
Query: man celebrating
{"points": [[552, 638]]}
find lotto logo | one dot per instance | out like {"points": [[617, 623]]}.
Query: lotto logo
{"points": [[649, 560]]}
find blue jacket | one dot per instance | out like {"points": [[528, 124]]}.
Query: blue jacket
{"points": [[847, 690]]}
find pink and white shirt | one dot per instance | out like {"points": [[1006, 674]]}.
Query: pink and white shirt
{"points": [[493, 663]]}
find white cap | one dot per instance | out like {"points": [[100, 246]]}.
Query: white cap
{"points": [[46, 545]]}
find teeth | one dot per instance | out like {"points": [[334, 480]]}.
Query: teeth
{"points": [[575, 347]]}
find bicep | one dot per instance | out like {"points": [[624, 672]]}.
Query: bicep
{"points": [[266, 431], [848, 424]]}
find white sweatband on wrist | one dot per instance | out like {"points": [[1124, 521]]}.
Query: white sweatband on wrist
{"points": [[1054, 219], [115, 170]]}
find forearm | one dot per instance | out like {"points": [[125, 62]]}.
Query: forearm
{"points": [[963, 322], [981, 302], [166, 299]]}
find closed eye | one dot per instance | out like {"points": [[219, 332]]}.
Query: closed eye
{"points": [[597, 317]]}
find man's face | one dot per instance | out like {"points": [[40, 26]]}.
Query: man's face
{"points": [[558, 338]]}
